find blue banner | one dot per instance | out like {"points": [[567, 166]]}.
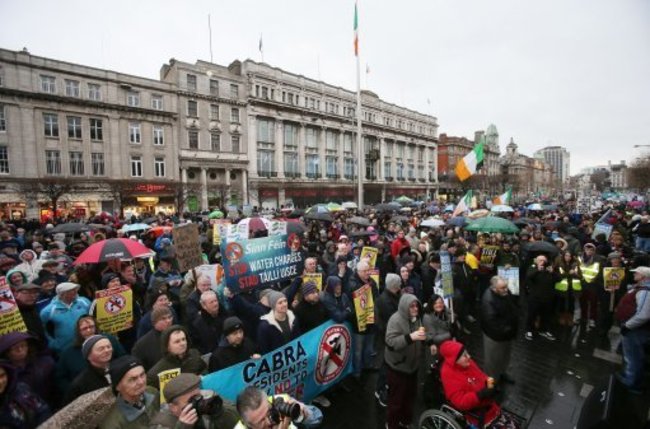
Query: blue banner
{"points": [[303, 368], [258, 262]]}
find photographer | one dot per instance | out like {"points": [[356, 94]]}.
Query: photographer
{"points": [[190, 407], [259, 411], [540, 280]]}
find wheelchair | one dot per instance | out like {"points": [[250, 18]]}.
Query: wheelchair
{"points": [[445, 417]]}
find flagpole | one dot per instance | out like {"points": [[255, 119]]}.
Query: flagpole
{"points": [[210, 33], [360, 160]]}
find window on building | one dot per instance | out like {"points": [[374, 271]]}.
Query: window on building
{"points": [[159, 166], [157, 102], [133, 99], [409, 152], [432, 173], [53, 162], [214, 112], [291, 164], [215, 142], [388, 170], [348, 145], [74, 127], [158, 135], [312, 165], [266, 162], [50, 125], [48, 84], [331, 167], [265, 93], [400, 171], [265, 130], [193, 139], [234, 114], [291, 133], [136, 166], [4, 160], [76, 163], [311, 135], [97, 159], [96, 130], [94, 92], [234, 91], [421, 174], [331, 140], [72, 88], [400, 150], [348, 168], [214, 87], [3, 118], [234, 144], [388, 149], [134, 132], [421, 154], [191, 82], [192, 108], [2, 76]]}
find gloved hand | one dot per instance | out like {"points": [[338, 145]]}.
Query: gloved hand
{"points": [[624, 330]]}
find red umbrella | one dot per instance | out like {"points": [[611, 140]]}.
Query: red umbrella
{"points": [[114, 248]]}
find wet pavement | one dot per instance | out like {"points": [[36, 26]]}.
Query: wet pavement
{"points": [[553, 378]]}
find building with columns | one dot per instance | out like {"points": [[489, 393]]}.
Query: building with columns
{"points": [[526, 175], [302, 142]]}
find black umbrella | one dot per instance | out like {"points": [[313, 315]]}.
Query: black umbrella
{"points": [[356, 234], [70, 228], [296, 228], [150, 220], [389, 207], [296, 213], [524, 221], [358, 220], [542, 247], [457, 221], [323, 217], [399, 218]]}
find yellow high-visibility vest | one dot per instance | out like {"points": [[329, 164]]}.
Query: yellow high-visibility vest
{"points": [[563, 285], [589, 272]]}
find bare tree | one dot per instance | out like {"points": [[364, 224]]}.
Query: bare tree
{"points": [[183, 192], [53, 189], [119, 190], [638, 174], [600, 179]]}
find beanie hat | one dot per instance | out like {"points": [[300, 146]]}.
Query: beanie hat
{"points": [[119, 367], [107, 278], [230, 325], [393, 282], [264, 293], [331, 283], [158, 313], [90, 342], [309, 287], [180, 385], [274, 297]]}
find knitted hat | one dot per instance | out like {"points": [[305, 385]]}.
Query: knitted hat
{"points": [[107, 278], [119, 367], [159, 313], [274, 297], [309, 287], [393, 282], [230, 325], [90, 342], [264, 292], [180, 385]]}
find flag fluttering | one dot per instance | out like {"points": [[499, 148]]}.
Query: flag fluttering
{"points": [[504, 198], [356, 31], [464, 204], [470, 164]]}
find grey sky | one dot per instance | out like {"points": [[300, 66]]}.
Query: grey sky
{"points": [[565, 72]]}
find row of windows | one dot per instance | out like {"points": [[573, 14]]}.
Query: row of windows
{"points": [[191, 84], [53, 164], [193, 111], [215, 144]]}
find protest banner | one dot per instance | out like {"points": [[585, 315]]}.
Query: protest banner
{"points": [[316, 278], [302, 368], [374, 274], [447, 278], [602, 228], [512, 277], [165, 377], [369, 253], [114, 309], [258, 262], [217, 226], [613, 278], [188, 248], [488, 254], [364, 307], [10, 318]]}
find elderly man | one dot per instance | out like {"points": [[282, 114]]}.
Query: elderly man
{"points": [[633, 312], [499, 323], [364, 334], [207, 325], [98, 351], [61, 314]]}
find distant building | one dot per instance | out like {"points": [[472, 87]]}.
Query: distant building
{"points": [[618, 176], [526, 175], [558, 158]]}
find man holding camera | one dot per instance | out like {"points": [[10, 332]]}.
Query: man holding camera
{"points": [[259, 411], [189, 407]]}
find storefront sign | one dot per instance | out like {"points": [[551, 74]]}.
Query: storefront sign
{"points": [[114, 309], [151, 188], [188, 249], [10, 318]]}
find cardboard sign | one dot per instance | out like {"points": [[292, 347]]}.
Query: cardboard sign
{"points": [[447, 277], [602, 228], [374, 274], [316, 278], [188, 248], [217, 226], [114, 309], [488, 254], [10, 317], [370, 254], [364, 307], [165, 377], [613, 278], [512, 277]]}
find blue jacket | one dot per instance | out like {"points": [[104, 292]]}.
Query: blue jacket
{"points": [[60, 321]]}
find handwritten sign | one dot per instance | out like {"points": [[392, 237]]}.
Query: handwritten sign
{"points": [[488, 254], [188, 248]]}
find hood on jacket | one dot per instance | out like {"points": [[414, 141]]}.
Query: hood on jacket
{"points": [[22, 258], [450, 351], [164, 338], [11, 339], [331, 283], [12, 379], [16, 270], [404, 303]]}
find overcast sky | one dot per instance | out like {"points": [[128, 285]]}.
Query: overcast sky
{"points": [[561, 72]]}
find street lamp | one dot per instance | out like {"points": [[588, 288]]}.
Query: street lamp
{"points": [[641, 145]]}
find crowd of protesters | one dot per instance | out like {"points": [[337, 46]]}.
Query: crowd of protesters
{"points": [[184, 321]]}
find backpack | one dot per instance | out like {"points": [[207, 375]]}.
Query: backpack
{"points": [[627, 306]]}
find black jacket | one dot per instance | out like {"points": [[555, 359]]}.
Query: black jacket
{"points": [[90, 379], [227, 355], [310, 315], [540, 284], [386, 307], [33, 322], [498, 316], [147, 349], [206, 330]]}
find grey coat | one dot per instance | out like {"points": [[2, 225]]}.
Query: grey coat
{"points": [[402, 353]]}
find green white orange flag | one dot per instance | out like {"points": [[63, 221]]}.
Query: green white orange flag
{"points": [[504, 198], [468, 166], [464, 204], [356, 31]]}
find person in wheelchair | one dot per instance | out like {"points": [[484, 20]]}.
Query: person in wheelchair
{"points": [[470, 390]]}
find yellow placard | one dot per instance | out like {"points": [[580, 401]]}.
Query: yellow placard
{"points": [[217, 225], [613, 277], [488, 254], [10, 318], [374, 274], [316, 278], [165, 377], [370, 254], [114, 309], [364, 307]]}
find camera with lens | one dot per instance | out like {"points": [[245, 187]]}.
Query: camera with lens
{"points": [[211, 406], [280, 408]]}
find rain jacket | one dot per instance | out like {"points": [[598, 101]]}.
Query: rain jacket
{"points": [[16, 270], [30, 269], [226, 354], [20, 408], [60, 321], [190, 362], [269, 333], [125, 416], [402, 353]]}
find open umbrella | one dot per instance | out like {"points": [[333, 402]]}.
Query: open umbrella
{"points": [[358, 220], [542, 247], [296, 228], [535, 207], [318, 208], [350, 205], [404, 200], [449, 208], [217, 214], [296, 213], [457, 221], [476, 214], [256, 223], [399, 218], [70, 228], [334, 207], [432, 223], [361, 233], [387, 207], [113, 248], [135, 227], [323, 217], [501, 208], [524, 221], [150, 220], [492, 224]]}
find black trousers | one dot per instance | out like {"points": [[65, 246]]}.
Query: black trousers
{"points": [[543, 309]]}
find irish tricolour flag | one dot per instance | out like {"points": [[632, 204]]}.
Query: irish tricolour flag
{"points": [[468, 166], [464, 204], [356, 31], [504, 198]]}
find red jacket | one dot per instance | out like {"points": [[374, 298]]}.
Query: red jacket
{"points": [[397, 246], [461, 385]]}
